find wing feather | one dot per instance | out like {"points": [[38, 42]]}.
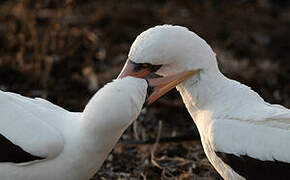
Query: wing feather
{"points": [[22, 122], [267, 138]]}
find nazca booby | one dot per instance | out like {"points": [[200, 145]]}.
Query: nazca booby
{"points": [[243, 136], [40, 140]]}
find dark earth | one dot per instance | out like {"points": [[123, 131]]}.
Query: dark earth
{"points": [[64, 51]]}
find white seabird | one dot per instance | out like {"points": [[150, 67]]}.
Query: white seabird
{"points": [[243, 136], [39, 140]]}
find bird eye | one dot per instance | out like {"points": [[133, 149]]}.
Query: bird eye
{"points": [[141, 66], [145, 65]]}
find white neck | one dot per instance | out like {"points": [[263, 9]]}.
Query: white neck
{"points": [[108, 114], [99, 133], [97, 145], [211, 97], [215, 94]]}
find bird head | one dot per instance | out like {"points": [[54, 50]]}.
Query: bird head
{"points": [[170, 51]]}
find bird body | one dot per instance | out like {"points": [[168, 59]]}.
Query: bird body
{"points": [[58, 144], [243, 136], [234, 120]]}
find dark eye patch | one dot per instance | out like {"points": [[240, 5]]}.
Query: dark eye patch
{"points": [[141, 66], [155, 68], [145, 65]]}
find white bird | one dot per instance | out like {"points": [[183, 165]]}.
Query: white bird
{"points": [[40, 140], [243, 136]]}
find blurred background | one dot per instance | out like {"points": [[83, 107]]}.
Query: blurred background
{"points": [[65, 50]]}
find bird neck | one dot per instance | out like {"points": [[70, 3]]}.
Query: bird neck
{"points": [[100, 131], [97, 145], [212, 95], [97, 139], [104, 122]]}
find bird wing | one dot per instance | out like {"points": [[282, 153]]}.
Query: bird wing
{"points": [[25, 134], [255, 149], [277, 115]]}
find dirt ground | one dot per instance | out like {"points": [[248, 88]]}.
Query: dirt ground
{"points": [[65, 51]]}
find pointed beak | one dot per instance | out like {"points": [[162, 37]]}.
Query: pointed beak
{"points": [[160, 86], [131, 69]]}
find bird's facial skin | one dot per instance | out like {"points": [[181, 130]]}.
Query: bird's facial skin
{"points": [[138, 70], [158, 86]]}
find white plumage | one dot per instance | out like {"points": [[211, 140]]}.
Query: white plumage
{"points": [[243, 136], [69, 145]]}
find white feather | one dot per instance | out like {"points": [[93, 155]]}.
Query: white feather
{"points": [[74, 144], [230, 116]]}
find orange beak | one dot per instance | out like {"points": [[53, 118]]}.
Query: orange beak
{"points": [[130, 69], [161, 86]]}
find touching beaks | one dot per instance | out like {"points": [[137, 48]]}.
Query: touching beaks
{"points": [[160, 86], [157, 86]]}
